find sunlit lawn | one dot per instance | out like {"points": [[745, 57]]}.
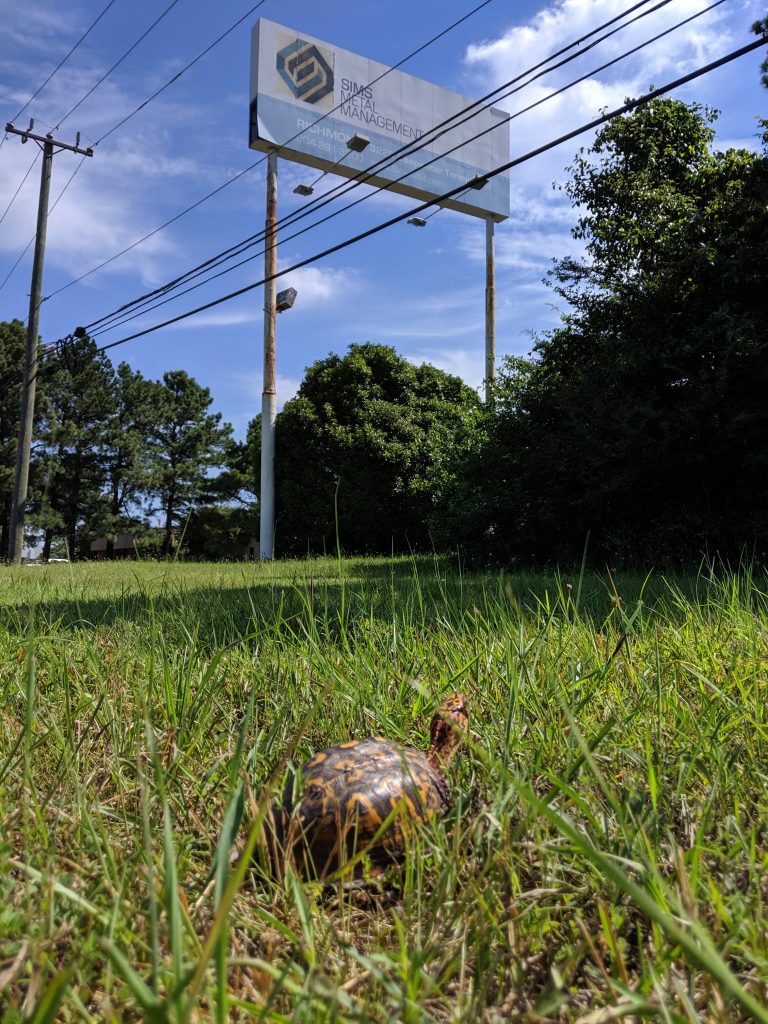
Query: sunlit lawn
{"points": [[605, 859]]}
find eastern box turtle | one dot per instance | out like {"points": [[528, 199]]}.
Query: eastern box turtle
{"points": [[350, 790]]}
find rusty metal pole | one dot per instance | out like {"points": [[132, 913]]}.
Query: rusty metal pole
{"points": [[490, 311], [269, 392]]}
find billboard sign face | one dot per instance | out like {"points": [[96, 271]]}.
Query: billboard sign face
{"points": [[309, 98]]}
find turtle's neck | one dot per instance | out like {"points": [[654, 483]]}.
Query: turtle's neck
{"points": [[442, 751]]}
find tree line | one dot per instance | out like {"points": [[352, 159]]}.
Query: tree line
{"points": [[113, 451], [637, 428]]}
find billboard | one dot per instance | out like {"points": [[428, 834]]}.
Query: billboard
{"points": [[309, 98]]}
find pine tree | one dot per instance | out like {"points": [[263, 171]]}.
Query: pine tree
{"points": [[69, 454], [185, 441]]}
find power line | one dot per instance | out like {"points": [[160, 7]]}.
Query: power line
{"points": [[140, 107], [517, 161], [149, 235], [63, 61], [409, 148], [260, 161], [21, 185], [452, 193], [119, 61], [120, 123], [8, 276], [79, 102], [347, 187], [178, 74]]}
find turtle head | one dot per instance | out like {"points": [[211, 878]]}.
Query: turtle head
{"points": [[445, 733]]}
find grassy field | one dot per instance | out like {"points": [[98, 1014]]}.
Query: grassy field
{"points": [[606, 858]]}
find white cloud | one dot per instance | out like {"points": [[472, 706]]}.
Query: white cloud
{"points": [[558, 25], [318, 286], [224, 316], [522, 46], [469, 364], [541, 219]]}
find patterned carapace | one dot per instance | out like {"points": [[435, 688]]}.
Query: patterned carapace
{"points": [[350, 791]]}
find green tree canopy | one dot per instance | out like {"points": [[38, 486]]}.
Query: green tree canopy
{"points": [[367, 437], [186, 441], [69, 452], [227, 525], [12, 344], [128, 463], [642, 420], [760, 28]]}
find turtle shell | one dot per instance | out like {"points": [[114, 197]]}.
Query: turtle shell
{"points": [[347, 793]]}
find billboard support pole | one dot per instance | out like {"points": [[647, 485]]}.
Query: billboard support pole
{"points": [[490, 311], [269, 392]]}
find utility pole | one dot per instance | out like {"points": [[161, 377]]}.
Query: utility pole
{"points": [[29, 385], [490, 311], [269, 392]]}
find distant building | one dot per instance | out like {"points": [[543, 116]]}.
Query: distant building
{"points": [[123, 547]]}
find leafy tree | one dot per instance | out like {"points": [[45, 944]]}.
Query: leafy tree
{"points": [[185, 442], [366, 439], [642, 422], [69, 465], [760, 28], [225, 528], [12, 344], [222, 533], [481, 505], [238, 480], [127, 460]]}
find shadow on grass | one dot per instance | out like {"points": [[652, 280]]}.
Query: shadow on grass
{"points": [[327, 598]]}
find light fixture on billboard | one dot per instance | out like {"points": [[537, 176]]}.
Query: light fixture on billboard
{"points": [[478, 183], [355, 144], [418, 222], [285, 299]]}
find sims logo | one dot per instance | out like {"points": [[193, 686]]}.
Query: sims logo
{"points": [[306, 70]]}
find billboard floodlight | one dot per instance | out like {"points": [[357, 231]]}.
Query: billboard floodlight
{"points": [[418, 222], [357, 143], [285, 299], [478, 183]]}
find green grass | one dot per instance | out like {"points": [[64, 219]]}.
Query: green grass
{"points": [[606, 857]]}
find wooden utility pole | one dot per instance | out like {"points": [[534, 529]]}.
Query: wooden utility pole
{"points": [[27, 411]]}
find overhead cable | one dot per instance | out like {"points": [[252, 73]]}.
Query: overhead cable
{"points": [[21, 185], [129, 116], [627, 107], [414, 211], [63, 60], [365, 174], [260, 161], [179, 74], [103, 323], [120, 60], [73, 109]]}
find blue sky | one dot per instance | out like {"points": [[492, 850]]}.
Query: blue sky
{"points": [[421, 290]]}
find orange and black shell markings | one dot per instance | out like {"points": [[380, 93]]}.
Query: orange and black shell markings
{"points": [[347, 793]]}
